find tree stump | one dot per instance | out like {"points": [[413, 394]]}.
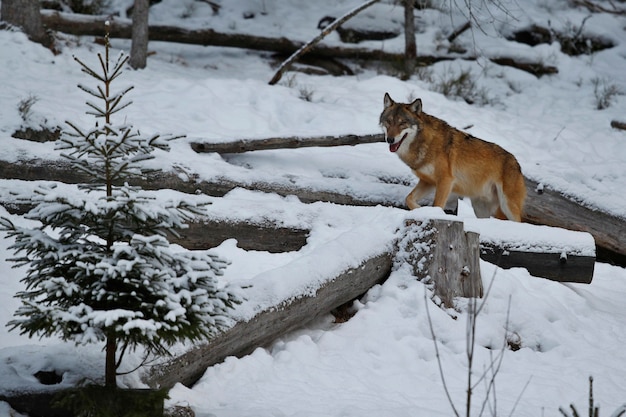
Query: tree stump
{"points": [[441, 252]]}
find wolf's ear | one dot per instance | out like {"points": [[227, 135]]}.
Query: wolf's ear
{"points": [[388, 100], [416, 106]]}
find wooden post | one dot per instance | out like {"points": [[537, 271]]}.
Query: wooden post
{"points": [[444, 254]]}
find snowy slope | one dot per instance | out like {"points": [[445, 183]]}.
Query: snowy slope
{"points": [[382, 362]]}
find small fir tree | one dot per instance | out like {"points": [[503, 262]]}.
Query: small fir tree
{"points": [[100, 267]]}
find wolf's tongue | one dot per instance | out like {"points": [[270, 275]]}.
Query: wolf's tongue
{"points": [[394, 146]]}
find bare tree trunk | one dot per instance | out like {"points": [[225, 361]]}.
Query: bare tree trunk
{"points": [[26, 14], [110, 368], [139, 48], [410, 47]]}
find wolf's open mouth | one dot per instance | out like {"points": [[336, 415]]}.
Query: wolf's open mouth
{"points": [[393, 147]]}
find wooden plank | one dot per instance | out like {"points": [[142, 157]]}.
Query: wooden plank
{"points": [[268, 325], [246, 145]]}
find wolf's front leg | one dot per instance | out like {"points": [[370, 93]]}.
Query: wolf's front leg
{"points": [[421, 189]]}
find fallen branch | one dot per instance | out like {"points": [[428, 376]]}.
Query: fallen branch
{"points": [[246, 145], [535, 68], [596, 8], [458, 31], [615, 124], [305, 48]]}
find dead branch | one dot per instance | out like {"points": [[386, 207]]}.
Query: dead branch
{"points": [[246, 145], [596, 8], [458, 31], [327, 30], [615, 124]]}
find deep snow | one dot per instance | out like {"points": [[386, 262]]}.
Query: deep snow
{"points": [[382, 361]]}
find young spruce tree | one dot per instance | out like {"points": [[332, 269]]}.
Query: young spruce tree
{"points": [[100, 267]]}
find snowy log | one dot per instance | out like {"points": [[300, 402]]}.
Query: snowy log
{"points": [[209, 233], [543, 205], [269, 324]]}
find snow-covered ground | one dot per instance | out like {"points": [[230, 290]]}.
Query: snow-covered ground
{"points": [[382, 362]]}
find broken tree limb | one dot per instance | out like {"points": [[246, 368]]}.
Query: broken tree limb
{"points": [[458, 31], [616, 124], [307, 47], [535, 68], [246, 145]]}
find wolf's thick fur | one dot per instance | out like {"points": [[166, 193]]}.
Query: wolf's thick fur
{"points": [[450, 161]]}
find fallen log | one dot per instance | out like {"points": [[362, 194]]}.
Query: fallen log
{"points": [[119, 28], [83, 25], [246, 145], [547, 207], [270, 323], [309, 45]]}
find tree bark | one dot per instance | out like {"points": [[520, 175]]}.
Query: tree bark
{"points": [[26, 14], [269, 324], [410, 46], [139, 46], [110, 368]]}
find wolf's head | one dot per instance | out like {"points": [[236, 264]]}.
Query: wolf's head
{"points": [[400, 121]]}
